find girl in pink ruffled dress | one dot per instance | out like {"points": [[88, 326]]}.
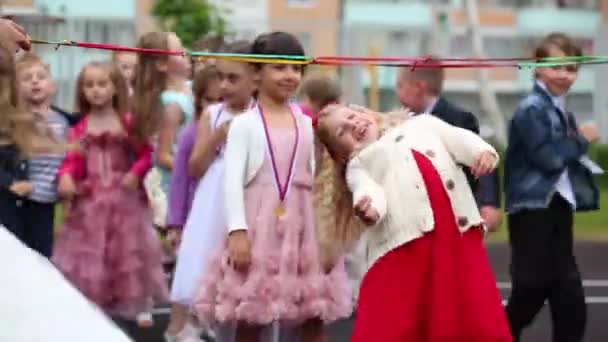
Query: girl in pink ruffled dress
{"points": [[268, 269], [107, 247]]}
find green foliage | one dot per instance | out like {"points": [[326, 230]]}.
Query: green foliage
{"points": [[599, 153], [189, 19]]}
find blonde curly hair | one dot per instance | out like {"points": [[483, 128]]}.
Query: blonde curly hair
{"points": [[337, 227]]}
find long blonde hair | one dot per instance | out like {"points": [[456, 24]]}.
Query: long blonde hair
{"points": [[150, 82], [18, 126], [337, 227]]}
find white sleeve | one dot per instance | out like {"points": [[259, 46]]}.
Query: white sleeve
{"points": [[235, 158], [361, 184], [464, 145]]}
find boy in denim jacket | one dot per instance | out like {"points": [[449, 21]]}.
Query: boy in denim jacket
{"points": [[546, 181]]}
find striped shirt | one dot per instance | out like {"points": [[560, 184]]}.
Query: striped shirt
{"points": [[43, 168]]}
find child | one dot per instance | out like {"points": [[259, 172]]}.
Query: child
{"points": [[126, 63], [212, 43], [206, 93], [164, 106], [181, 190], [20, 138], [546, 180], [204, 227], [106, 246], [36, 89], [428, 276], [317, 92], [269, 270]]}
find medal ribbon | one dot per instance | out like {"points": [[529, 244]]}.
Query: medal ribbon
{"points": [[282, 188]]}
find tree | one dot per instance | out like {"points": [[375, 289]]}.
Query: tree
{"points": [[189, 19]]}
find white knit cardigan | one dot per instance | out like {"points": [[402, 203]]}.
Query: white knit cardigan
{"points": [[387, 172]]}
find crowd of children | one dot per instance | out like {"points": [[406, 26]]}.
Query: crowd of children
{"points": [[261, 204]]}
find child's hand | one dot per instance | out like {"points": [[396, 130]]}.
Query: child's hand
{"points": [[365, 212], [66, 208], [223, 129], [130, 182], [174, 237], [21, 188], [484, 164], [67, 188], [589, 132], [239, 250]]}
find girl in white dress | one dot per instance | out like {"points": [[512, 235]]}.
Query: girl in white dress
{"points": [[205, 225]]}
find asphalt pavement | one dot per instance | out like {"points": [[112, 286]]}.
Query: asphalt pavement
{"points": [[592, 259]]}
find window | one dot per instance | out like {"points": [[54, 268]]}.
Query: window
{"points": [[301, 3]]}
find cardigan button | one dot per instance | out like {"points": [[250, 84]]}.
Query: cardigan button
{"points": [[430, 153], [450, 184], [398, 138], [19, 203], [463, 221]]}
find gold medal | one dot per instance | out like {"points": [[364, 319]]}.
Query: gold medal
{"points": [[280, 211]]}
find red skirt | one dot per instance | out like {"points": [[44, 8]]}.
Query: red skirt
{"points": [[436, 288]]}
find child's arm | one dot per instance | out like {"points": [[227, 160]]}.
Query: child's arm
{"points": [[179, 183], [73, 165], [169, 125], [365, 190], [547, 154], [465, 146], [207, 142], [235, 172]]}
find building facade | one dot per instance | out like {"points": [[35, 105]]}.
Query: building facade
{"points": [[509, 28]]}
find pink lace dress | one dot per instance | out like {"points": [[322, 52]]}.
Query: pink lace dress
{"points": [[285, 281], [107, 247]]}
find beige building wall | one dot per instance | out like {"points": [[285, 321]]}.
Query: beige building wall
{"points": [[145, 22], [17, 3], [314, 22]]}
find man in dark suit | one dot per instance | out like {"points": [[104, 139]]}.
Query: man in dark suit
{"points": [[420, 90]]}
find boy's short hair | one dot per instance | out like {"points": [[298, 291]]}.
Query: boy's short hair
{"points": [[432, 76], [560, 41], [320, 89], [29, 60]]}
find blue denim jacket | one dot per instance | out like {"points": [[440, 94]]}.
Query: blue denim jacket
{"points": [[543, 142]]}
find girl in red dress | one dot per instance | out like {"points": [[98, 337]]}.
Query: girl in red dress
{"points": [[428, 278], [107, 247]]}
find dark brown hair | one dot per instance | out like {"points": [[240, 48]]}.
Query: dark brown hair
{"points": [[121, 94], [203, 79], [212, 43], [149, 84], [322, 90], [557, 40], [276, 43], [239, 46]]}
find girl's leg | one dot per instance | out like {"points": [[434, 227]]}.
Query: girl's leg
{"points": [[247, 333], [178, 319], [313, 331]]}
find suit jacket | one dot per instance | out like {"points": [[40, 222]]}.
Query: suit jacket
{"points": [[486, 189]]}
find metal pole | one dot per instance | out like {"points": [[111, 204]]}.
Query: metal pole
{"points": [[600, 100], [489, 102]]}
